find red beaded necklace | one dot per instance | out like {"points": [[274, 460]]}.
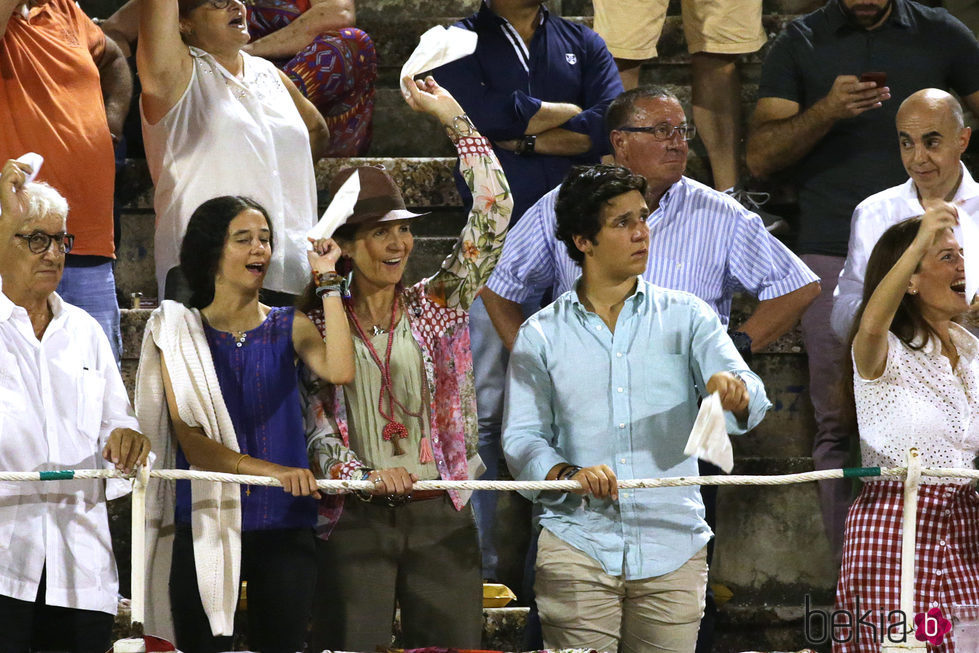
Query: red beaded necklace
{"points": [[393, 430]]}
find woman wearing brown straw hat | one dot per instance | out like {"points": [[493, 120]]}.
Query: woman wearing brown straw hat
{"points": [[408, 415]]}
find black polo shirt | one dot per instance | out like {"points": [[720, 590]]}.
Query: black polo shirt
{"points": [[918, 47]]}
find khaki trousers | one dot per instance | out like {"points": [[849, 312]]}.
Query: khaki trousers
{"points": [[581, 606]]}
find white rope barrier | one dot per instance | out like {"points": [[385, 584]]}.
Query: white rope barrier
{"points": [[911, 474], [341, 485]]}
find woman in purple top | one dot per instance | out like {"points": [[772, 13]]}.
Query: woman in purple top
{"points": [[255, 350]]}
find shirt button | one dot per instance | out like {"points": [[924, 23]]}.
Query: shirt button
{"points": [[622, 460], [942, 543], [620, 389], [938, 573], [934, 604], [948, 512], [618, 354], [598, 327], [621, 425]]}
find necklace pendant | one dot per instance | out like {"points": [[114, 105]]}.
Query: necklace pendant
{"points": [[393, 432], [376, 331]]}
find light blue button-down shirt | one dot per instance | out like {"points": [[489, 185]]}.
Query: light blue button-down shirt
{"points": [[578, 393]]}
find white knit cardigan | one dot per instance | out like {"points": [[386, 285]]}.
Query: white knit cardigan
{"points": [[177, 333]]}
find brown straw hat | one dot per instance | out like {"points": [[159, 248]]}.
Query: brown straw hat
{"points": [[379, 199]]}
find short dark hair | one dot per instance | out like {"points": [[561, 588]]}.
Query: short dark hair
{"points": [[207, 232], [579, 202], [622, 108]]}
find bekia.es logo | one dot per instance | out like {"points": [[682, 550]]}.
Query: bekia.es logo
{"points": [[931, 626], [883, 626]]}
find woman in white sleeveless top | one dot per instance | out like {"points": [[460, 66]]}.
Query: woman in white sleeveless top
{"points": [[915, 385], [217, 121]]}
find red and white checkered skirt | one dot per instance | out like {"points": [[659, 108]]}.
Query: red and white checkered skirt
{"points": [[946, 560]]}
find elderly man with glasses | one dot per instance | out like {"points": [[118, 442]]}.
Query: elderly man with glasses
{"points": [[63, 406], [701, 240]]}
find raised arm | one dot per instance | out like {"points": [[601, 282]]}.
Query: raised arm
{"points": [[331, 357], [123, 25], [780, 134], [207, 454], [466, 269], [162, 58], [870, 342]]}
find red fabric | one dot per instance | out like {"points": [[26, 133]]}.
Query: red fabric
{"points": [[946, 557]]}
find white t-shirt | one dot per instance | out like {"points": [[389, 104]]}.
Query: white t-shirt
{"points": [[231, 136], [60, 398], [919, 401]]}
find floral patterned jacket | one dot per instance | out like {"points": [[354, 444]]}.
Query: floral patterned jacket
{"points": [[436, 309]]}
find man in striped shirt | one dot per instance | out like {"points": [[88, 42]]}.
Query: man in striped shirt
{"points": [[701, 241]]}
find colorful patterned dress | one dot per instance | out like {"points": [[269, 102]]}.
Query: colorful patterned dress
{"points": [[336, 72], [436, 309]]}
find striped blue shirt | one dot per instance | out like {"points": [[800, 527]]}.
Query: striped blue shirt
{"points": [[701, 241]]}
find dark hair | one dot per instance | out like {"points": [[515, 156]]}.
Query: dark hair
{"points": [[622, 108], [908, 324], [207, 232], [580, 200]]}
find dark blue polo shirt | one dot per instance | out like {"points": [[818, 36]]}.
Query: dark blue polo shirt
{"points": [[501, 88], [918, 47]]}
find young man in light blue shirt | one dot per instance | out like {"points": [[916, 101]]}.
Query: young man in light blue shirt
{"points": [[604, 384]]}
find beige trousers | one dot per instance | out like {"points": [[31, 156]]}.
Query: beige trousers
{"points": [[581, 606]]}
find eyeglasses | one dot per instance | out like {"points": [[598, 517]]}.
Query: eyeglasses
{"points": [[39, 242], [213, 4], [664, 131]]}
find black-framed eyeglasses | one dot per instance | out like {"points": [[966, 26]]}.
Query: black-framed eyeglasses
{"points": [[39, 242], [664, 131]]}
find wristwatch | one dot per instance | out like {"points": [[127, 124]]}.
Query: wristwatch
{"points": [[742, 342], [460, 126], [526, 145]]}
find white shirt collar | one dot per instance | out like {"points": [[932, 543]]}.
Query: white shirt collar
{"points": [[968, 188]]}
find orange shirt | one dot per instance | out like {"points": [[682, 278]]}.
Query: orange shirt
{"points": [[51, 103]]}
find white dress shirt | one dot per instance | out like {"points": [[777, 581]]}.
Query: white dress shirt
{"points": [[871, 219], [60, 398]]}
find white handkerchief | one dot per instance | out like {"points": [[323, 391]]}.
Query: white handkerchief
{"points": [[436, 47], [341, 207], [708, 438], [34, 160], [967, 233]]}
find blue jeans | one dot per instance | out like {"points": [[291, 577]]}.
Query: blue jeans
{"points": [[91, 286], [490, 359]]}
